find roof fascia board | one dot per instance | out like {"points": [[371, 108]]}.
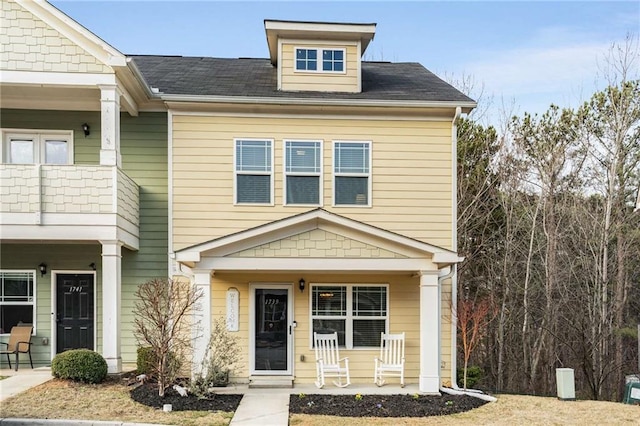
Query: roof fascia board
{"points": [[75, 32], [56, 78], [465, 106], [364, 28]]}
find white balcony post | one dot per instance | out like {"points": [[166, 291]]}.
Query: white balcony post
{"points": [[201, 318], [110, 126], [111, 295], [429, 332]]}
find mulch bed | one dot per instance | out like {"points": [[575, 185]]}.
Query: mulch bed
{"points": [[147, 394], [382, 405]]}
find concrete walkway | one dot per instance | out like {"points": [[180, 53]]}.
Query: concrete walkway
{"points": [[265, 407], [24, 379]]}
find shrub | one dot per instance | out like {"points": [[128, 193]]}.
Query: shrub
{"points": [[145, 361], [475, 374], [223, 353], [80, 365]]}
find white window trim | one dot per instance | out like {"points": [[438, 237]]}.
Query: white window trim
{"points": [[319, 55], [285, 173], [270, 173], [33, 302], [39, 136], [367, 175], [348, 329]]}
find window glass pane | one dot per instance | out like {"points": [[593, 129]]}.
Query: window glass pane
{"points": [[301, 54], [312, 54], [327, 326], [253, 188], [16, 287], [351, 157], [21, 151], [55, 152], [303, 190], [12, 315], [303, 157], [338, 55], [338, 66], [370, 301], [351, 190], [312, 65], [367, 332], [253, 156], [329, 301], [327, 66]]}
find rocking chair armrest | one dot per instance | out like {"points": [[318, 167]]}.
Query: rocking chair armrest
{"points": [[346, 358]]}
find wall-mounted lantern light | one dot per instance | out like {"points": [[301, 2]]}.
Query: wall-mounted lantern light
{"points": [[301, 284], [43, 269], [86, 129]]}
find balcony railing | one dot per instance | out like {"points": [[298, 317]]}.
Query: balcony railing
{"points": [[43, 189]]}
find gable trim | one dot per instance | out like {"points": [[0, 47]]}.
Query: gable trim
{"points": [[75, 32], [314, 219]]}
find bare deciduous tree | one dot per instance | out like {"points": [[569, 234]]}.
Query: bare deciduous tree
{"points": [[161, 311]]}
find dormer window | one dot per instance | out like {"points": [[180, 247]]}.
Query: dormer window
{"points": [[332, 60]]}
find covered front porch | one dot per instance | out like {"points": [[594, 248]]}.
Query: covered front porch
{"points": [[276, 284]]}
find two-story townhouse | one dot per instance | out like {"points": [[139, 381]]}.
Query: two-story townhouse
{"points": [[310, 191], [315, 191], [83, 185]]}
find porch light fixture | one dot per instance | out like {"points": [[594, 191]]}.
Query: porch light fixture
{"points": [[301, 284], [92, 265], [43, 269], [86, 129]]}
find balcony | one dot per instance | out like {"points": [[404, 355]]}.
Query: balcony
{"points": [[68, 202]]}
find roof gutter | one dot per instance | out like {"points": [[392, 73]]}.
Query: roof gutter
{"points": [[466, 106]]}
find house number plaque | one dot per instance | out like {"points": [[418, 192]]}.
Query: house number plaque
{"points": [[233, 303]]}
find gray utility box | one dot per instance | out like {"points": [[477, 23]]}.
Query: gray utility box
{"points": [[566, 384], [632, 393]]}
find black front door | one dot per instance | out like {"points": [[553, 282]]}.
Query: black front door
{"points": [[74, 315], [271, 330]]}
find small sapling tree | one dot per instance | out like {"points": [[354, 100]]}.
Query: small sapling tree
{"points": [[161, 308], [473, 318]]}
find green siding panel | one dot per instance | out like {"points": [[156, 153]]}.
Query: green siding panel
{"points": [[143, 145]]}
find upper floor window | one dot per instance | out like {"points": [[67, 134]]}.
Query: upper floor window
{"points": [[352, 173], [303, 177], [332, 60], [254, 171], [25, 147], [17, 299], [306, 59]]}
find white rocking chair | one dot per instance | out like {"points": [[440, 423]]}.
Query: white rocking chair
{"points": [[328, 360], [391, 360]]}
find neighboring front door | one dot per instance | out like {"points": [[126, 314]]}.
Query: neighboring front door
{"points": [[74, 311], [271, 330]]}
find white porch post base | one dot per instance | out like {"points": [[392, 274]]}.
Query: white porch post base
{"points": [[429, 332], [201, 320], [111, 299], [430, 385]]}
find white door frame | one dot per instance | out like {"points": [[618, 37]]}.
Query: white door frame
{"points": [[53, 342], [252, 322]]}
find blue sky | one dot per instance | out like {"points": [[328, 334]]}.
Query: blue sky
{"points": [[525, 54]]}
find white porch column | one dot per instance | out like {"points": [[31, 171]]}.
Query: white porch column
{"points": [[429, 332], [201, 318], [110, 126], [111, 295]]}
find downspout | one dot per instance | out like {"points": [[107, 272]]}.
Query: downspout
{"points": [[453, 274]]}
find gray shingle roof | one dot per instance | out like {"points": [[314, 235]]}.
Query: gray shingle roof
{"points": [[178, 75]]}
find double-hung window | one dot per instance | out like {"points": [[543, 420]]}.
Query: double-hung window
{"points": [[357, 312], [23, 147], [330, 60], [17, 299], [352, 173], [303, 176], [254, 171]]}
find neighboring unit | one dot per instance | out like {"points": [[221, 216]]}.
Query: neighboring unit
{"points": [[308, 192]]}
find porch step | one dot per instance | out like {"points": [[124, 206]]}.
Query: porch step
{"points": [[266, 382]]}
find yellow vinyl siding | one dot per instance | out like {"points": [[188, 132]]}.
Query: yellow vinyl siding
{"points": [[411, 174], [404, 308], [318, 81]]}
